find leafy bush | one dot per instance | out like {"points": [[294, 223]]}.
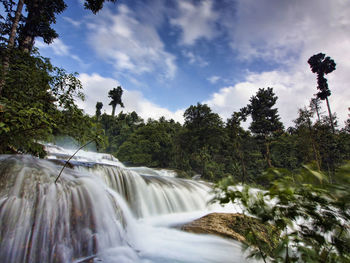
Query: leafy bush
{"points": [[38, 102], [311, 214]]}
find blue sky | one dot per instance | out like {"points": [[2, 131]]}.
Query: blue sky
{"points": [[170, 54]]}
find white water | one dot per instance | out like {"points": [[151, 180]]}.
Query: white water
{"points": [[102, 210]]}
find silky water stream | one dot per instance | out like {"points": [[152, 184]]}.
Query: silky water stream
{"points": [[101, 211]]}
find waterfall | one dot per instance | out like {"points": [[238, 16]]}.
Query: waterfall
{"points": [[101, 211], [150, 195]]}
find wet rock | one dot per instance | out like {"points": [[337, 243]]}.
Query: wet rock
{"points": [[233, 226]]}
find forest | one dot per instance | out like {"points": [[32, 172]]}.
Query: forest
{"points": [[38, 104], [207, 145]]}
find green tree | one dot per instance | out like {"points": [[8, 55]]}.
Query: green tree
{"points": [[343, 142], [284, 152], [116, 96], [316, 107], [328, 145], [99, 106], [202, 139], [265, 119], [41, 14], [305, 140], [204, 126], [347, 123], [38, 102], [96, 5], [119, 128], [151, 144], [236, 135], [36, 21], [322, 65]]}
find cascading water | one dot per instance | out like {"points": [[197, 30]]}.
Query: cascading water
{"points": [[100, 210]]}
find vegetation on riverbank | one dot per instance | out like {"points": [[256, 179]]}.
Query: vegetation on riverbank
{"points": [[310, 213]]}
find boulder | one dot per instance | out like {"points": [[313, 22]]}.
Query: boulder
{"points": [[234, 226]]}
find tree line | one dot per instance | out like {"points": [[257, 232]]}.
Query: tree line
{"points": [[207, 145]]}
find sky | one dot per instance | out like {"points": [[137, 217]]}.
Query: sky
{"points": [[169, 54]]}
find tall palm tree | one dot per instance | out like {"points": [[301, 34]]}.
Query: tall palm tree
{"points": [[322, 65], [116, 96]]}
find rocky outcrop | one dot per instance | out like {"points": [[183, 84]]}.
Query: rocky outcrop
{"points": [[220, 224], [233, 226]]}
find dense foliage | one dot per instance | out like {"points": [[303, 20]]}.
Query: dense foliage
{"points": [[206, 145], [37, 100], [38, 103], [309, 213]]}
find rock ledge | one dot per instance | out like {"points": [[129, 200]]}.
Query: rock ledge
{"points": [[233, 226]]}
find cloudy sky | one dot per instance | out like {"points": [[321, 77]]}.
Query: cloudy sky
{"points": [[170, 54]]}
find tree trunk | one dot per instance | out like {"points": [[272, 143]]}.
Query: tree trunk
{"points": [[268, 157], [314, 146], [244, 170], [11, 43], [14, 27], [316, 156], [329, 173], [332, 151], [113, 110], [27, 37], [318, 114], [330, 115], [27, 44], [315, 104]]}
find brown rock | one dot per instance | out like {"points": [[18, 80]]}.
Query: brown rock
{"points": [[220, 224], [235, 226]]}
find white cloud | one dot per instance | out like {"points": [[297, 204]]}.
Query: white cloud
{"points": [[96, 89], [57, 47], [131, 45], [73, 22], [195, 59], [288, 33], [214, 79], [276, 30], [196, 21], [291, 94], [294, 90]]}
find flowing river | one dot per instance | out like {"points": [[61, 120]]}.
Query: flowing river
{"points": [[102, 211]]}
